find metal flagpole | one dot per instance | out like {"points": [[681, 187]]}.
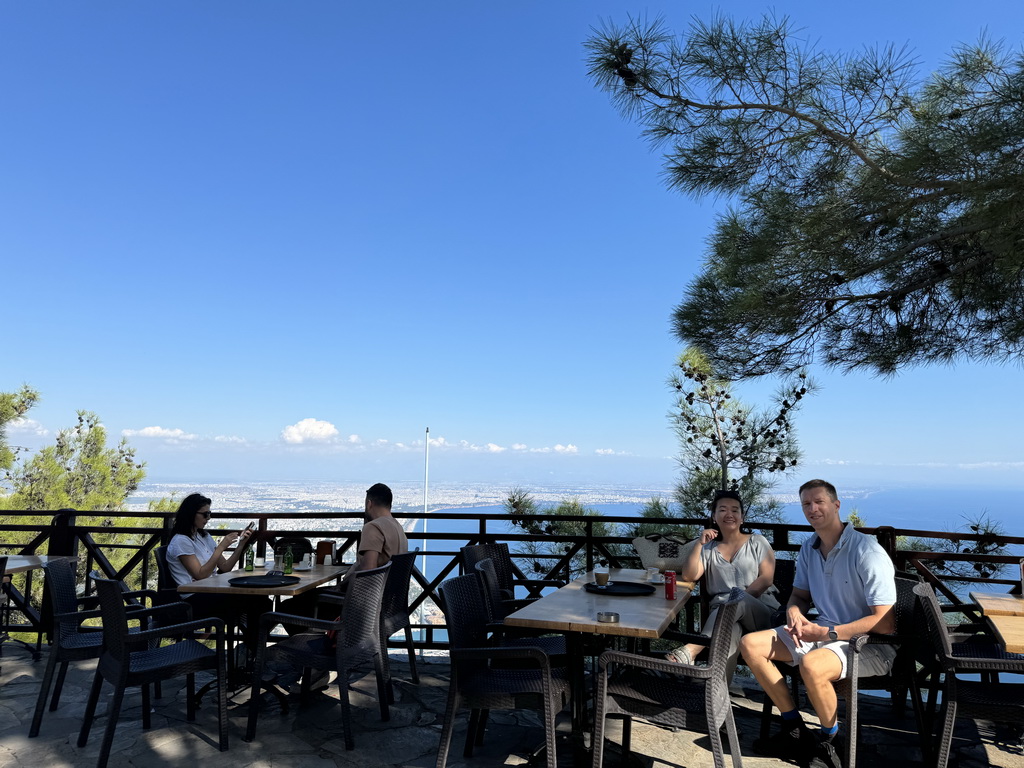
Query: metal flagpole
{"points": [[423, 559]]}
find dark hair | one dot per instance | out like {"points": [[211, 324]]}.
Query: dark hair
{"points": [[812, 484], [185, 517], [379, 495]]}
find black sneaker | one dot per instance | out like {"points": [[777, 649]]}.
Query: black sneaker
{"points": [[792, 742], [828, 752]]}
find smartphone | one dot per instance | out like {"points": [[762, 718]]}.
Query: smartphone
{"points": [[250, 526]]}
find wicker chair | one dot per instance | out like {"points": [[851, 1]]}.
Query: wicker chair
{"points": [[136, 659], [358, 642], [901, 679], [998, 701], [479, 685], [554, 645], [71, 640], [394, 613], [670, 694], [506, 572]]}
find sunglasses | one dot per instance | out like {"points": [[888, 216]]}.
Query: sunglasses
{"points": [[205, 514]]}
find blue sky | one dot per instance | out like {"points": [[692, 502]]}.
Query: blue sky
{"points": [[270, 240]]}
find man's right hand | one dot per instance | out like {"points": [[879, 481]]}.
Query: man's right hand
{"points": [[797, 624]]}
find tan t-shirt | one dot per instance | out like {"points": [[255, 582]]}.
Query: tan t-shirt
{"points": [[384, 536]]}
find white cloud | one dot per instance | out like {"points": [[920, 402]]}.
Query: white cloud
{"points": [[159, 432], [229, 439], [566, 448], [354, 439], [605, 452], [519, 446], [27, 427], [309, 431], [492, 448]]}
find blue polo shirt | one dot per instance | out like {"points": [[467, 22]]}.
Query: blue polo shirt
{"points": [[857, 576]]}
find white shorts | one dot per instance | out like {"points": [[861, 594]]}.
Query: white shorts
{"points": [[874, 659]]}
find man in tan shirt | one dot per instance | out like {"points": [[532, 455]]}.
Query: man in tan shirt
{"points": [[382, 536]]}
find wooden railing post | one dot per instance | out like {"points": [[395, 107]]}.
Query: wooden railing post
{"points": [[886, 536]]}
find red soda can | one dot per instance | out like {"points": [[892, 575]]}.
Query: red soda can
{"points": [[670, 585]]}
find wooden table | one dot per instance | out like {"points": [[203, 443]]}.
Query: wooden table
{"points": [[999, 603], [573, 610], [22, 563], [1009, 630], [220, 583]]}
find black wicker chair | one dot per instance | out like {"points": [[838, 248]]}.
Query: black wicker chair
{"points": [[506, 572], [358, 642], [136, 659], [987, 699], [901, 679], [670, 694], [299, 544], [479, 685], [72, 641], [394, 614], [497, 609]]}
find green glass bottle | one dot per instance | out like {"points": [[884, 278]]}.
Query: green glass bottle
{"points": [[249, 559], [289, 558]]}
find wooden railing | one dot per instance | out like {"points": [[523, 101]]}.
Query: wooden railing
{"points": [[126, 551]]}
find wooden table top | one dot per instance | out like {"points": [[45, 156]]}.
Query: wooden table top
{"points": [[999, 603], [1010, 630], [573, 609], [20, 563], [219, 583]]}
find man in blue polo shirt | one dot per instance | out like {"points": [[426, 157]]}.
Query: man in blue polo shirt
{"points": [[850, 580]]}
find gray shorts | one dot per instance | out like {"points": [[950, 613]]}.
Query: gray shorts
{"points": [[874, 659]]}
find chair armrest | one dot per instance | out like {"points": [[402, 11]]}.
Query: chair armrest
{"points": [[176, 630], [685, 637], [330, 598], [504, 653], [652, 664], [269, 620], [857, 642]]}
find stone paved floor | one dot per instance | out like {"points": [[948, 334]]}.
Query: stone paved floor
{"points": [[310, 735]]}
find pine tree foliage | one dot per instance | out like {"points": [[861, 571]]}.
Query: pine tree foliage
{"points": [[13, 406], [726, 444], [877, 219]]}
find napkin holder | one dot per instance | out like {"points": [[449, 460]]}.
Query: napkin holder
{"points": [[324, 548]]}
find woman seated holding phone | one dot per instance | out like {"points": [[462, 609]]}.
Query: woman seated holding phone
{"points": [[193, 555]]}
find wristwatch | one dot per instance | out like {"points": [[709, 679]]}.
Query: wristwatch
{"points": [[832, 636]]}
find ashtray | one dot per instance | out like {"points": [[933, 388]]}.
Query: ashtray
{"points": [[608, 617]]}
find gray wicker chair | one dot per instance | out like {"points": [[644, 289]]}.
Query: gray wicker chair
{"points": [[670, 694], [477, 683], [134, 659], [358, 642], [987, 699]]}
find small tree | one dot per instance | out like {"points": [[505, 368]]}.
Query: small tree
{"points": [[726, 444], [523, 510], [79, 471]]}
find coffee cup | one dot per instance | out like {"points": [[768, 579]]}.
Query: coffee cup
{"points": [[601, 577]]}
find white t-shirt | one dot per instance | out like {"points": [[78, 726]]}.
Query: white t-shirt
{"points": [[202, 546]]}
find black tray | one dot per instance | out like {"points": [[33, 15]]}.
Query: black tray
{"points": [[264, 581], [620, 588]]}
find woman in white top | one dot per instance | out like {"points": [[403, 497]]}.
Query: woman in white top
{"points": [[193, 555], [729, 557]]}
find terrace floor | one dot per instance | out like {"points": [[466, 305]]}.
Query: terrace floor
{"points": [[311, 734]]}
